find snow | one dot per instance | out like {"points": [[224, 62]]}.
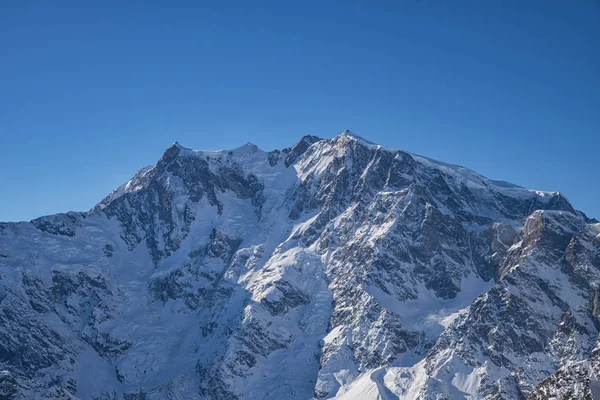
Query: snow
{"points": [[462, 175], [347, 133], [127, 187], [166, 336], [428, 312]]}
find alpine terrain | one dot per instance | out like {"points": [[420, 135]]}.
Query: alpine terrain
{"points": [[333, 269]]}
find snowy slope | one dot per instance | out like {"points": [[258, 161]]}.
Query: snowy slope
{"points": [[331, 269]]}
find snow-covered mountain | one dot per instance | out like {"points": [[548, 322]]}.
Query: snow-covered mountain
{"points": [[331, 269]]}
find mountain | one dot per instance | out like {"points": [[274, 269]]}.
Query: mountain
{"points": [[333, 269]]}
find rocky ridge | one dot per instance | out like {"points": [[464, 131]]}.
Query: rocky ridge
{"points": [[331, 269]]}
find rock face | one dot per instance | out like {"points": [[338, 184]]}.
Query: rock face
{"points": [[331, 269]]}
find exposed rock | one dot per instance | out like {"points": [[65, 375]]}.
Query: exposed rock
{"points": [[331, 269]]}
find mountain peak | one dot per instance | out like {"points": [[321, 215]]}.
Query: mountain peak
{"points": [[248, 148], [348, 134], [177, 145], [222, 274], [299, 148]]}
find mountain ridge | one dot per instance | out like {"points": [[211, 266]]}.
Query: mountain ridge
{"points": [[309, 139], [335, 268]]}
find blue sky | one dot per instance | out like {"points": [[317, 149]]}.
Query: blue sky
{"points": [[90, 92]]}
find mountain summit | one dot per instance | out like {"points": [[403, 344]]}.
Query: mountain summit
{"points": [[332, 269]]}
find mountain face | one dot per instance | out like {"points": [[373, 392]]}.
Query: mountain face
{"points": [[334, 269]]}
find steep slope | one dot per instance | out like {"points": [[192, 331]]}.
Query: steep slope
{"points": [[332, 269]]}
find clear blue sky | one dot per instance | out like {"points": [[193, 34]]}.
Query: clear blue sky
{"points": [[90, 92]]}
